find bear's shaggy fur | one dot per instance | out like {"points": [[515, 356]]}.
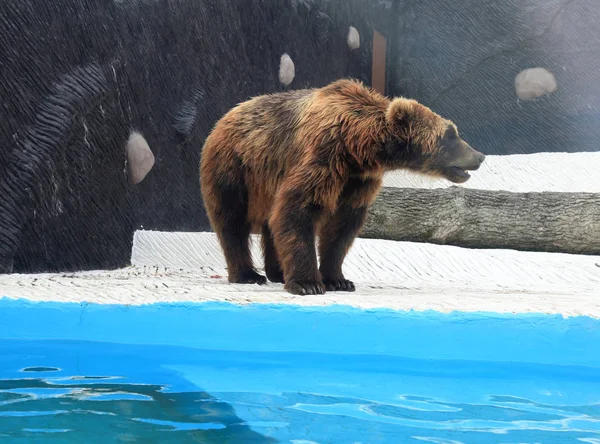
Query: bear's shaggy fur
{"points": [[296, 164]]}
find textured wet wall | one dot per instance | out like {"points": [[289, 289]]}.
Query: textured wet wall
{"points": [[78, 77], [517, 76]]}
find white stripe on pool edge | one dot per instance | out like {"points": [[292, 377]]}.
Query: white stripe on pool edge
{"points": [[171, 267], [519, 173]]}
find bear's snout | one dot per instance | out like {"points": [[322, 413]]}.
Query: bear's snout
{"points": [[460, 159], [469, 159], [478, 160]]}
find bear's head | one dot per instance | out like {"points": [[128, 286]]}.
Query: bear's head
{"points": [[423, 141]]}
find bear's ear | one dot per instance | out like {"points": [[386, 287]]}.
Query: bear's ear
{"points": [[401, 111]]}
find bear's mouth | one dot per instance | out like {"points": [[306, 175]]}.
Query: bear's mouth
{"points": [[456, 174]]}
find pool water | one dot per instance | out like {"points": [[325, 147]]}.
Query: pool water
{"points": [[87, 392]]}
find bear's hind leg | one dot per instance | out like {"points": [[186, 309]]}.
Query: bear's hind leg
{"points": [[272, 265], [230, 222], [335, 239]]}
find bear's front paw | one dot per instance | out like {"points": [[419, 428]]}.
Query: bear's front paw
{"points": [[305, 287], [339, 285]]}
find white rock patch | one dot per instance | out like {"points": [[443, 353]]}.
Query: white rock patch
{"points": [[140, 158], [534, 82], [287, 70], [353, 38]]}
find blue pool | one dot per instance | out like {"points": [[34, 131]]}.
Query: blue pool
{"points": [[219, 373]]}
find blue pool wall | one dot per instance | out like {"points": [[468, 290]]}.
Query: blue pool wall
{"points": [[495, 337]]}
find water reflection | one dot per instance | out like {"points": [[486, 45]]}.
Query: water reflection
{"points": [[88, 409]]}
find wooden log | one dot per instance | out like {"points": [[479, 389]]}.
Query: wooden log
{"points": [[548, 221]]}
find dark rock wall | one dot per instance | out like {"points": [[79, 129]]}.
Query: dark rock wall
{"points": [[77, 76], [462, 58]]}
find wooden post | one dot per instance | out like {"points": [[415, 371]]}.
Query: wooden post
{"points": [[378, 68]]}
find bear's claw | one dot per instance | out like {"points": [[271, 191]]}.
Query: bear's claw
{"points": [[250, 277], [305, 287], [339, 285]]}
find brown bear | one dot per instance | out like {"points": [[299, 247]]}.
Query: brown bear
{"points": [[303, 163]]}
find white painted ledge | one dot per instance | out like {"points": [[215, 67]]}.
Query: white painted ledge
{"points": [[175, 267], [520, 173]]}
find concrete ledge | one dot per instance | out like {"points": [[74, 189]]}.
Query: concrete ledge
{"points": [[189, 267]]}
